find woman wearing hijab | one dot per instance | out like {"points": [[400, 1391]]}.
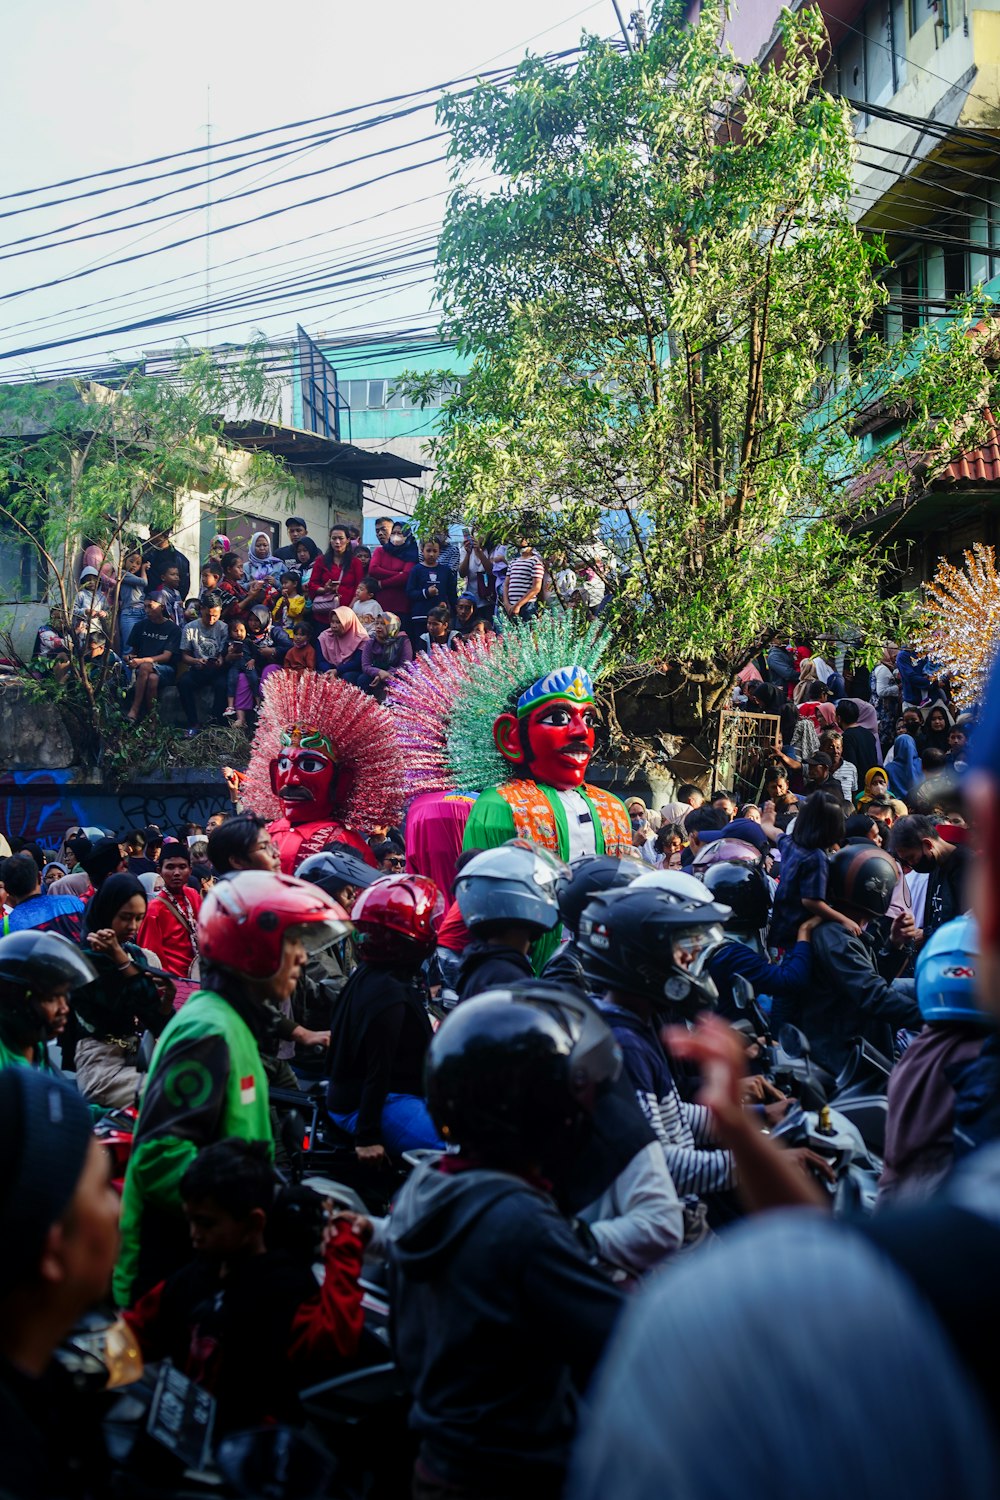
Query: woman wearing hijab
{"points": [[261, 564], [938, 723], [342, 642], [386, 650], [392, 563], [868, 719], [306, 553], [808, 680], [903, 768], [122, 1001]]}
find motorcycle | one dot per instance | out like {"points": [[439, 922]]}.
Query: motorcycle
{"points": [[859, 1090]]}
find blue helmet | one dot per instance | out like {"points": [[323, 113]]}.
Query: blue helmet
{"points": [[946, 973]]}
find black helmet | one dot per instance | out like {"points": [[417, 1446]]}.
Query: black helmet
{"points": [[34, 964], [332, 869], [42, 961], [515, 882], [652, 944], [512, 1075], [589, 875], [862, 876], [743, 887]]}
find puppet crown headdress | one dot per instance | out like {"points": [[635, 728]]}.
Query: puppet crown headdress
{"points": [[445, 702], [309, 706]]}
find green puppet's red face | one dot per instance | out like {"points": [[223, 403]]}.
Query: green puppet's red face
{"points": [[553, 742], [306, 777]]}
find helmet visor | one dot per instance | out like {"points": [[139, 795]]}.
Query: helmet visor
{"points": [[317, 936], [691, 946]]}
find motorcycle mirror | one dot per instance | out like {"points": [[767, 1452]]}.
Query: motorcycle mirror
{"points": [[793, 1042], [293, 1133], [743, 992], [144, 1057]]}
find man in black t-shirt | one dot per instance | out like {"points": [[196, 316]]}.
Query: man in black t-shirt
{"points": [[160, 555], [297, 529], [152, 654]]}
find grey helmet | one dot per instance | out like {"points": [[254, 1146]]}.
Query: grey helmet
{"points": [[517, 882]]}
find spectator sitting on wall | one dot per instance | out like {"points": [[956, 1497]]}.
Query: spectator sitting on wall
{"points": [[366, 605], [203, 651], [301, 657], [152, 655]]}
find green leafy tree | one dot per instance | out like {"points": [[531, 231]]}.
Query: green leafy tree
{"points": [[84, 462], [658, 291]]}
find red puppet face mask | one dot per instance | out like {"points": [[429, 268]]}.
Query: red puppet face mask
{"points": [[305, 777], [553, 742]]}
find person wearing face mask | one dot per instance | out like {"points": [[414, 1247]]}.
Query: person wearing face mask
{"points": [[392, 562], [207, 1081]]}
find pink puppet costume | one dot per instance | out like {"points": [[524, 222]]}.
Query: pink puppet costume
{"points": [[325, 763]]}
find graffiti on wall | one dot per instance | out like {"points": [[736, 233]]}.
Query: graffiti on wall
{"points": [[42, 805]]}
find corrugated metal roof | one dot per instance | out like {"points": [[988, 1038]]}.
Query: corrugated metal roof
{"points": [[979, 465]]}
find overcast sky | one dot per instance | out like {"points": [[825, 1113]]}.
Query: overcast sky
{"points": [[91, 85]]}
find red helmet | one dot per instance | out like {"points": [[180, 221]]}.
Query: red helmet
{"points": [[396, 919], [244, 921]]}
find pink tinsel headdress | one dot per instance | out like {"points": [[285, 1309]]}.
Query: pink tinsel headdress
{"points": [[359, 729], [422, 696]]}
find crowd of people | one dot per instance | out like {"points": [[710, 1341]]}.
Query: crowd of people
{"points": [[346, 608], [567, 1046]]}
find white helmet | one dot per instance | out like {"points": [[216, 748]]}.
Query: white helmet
{"points": [[675, 882]]}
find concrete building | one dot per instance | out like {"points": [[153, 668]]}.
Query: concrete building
{"points": [[373, 413], [924, 79], [328, 484]]}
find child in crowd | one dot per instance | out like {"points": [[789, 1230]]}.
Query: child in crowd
{"points": [[245, 1318], [261, 561], [131, 595], [170, 594], [364, 556], [52, 638], [289, 607], [239, 595], [439, 631], [301, 655], [429, 585], [211, 576], [239, 663], [306, 553], [365, 603], [91, 613], [805, 867]]}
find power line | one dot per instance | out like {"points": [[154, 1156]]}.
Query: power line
{"points": [[150, 161], [223, 228], [249, 192]]}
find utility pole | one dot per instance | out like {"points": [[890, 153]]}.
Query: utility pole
{"points": [[621, 23], [208, 216]]}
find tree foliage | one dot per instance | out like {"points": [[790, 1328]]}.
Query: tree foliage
{"points": [[84, 463], [650, 289]]}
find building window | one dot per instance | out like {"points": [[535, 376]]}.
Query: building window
{"points": [[23, 574], [870, 64]]}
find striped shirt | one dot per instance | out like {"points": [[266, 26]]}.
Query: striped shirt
{"points": [[523, 575]]}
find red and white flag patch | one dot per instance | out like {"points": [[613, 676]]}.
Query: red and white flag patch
{"points": [[248, 1090]]}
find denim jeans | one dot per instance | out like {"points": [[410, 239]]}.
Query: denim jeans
{"points": [[406, 1124], [128, 619]]}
